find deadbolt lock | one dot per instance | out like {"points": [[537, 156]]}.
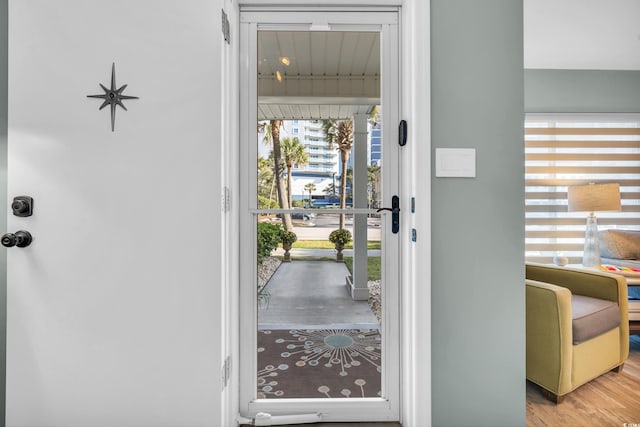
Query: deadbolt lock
{"points": [[22, 206]]}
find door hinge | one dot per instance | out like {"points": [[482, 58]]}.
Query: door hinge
{"points": [[226, 372], [226, 30], [225, 199]]}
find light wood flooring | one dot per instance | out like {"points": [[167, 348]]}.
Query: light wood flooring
{"points": [[610, 400]]}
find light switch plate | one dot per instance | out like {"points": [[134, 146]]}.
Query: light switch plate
{"points": [[456, 162]]}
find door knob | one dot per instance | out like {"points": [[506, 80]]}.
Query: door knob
{"points": [[21, 239]]}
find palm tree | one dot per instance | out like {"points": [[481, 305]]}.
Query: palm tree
{"points": [[330, 190], [373, 182], [293, 152], [271, 131], [341, 133], [310, 187], [265, 181]]}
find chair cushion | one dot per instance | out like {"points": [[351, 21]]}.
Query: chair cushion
{"points": [[592, 317]]}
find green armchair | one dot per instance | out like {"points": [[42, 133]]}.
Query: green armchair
{"points": [[577, 326]]}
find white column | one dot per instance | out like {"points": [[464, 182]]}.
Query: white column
{"points": [[358, 286]]}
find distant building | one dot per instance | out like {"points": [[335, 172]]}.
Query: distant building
{"points": [[324, 167], [375, 144]]}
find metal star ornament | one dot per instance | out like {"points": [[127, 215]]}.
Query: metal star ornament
{"points": [[113, 96]]}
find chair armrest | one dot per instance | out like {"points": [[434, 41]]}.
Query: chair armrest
{"points": [[591, 283], [549, 336]]}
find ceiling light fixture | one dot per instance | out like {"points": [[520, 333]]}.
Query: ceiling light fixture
{"points": [[278, 75], [285, 60]]}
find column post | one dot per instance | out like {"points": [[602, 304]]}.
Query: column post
{"points": [[358, 286]]}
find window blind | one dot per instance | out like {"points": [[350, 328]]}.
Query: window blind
{"points": [[562, 151]]}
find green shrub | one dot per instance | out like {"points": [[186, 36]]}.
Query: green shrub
{"points": [[288, 237], [263, 203], [269, 236], [340, 237]]}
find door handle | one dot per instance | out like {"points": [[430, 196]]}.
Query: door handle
{"points": [[21, 239], [395, 214]]}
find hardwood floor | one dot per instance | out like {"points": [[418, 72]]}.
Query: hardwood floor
{"points": [[610, 400]]}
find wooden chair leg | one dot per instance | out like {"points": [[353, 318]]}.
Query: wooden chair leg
{"points": [[552, 396], [618, 369]]}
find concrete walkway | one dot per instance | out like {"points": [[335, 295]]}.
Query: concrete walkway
{"points": [[313, 295]]}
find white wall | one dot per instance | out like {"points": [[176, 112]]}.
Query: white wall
{"points": [[114, 312], [582, 34]]}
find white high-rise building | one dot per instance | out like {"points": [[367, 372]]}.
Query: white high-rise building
{"points": [[324, 162], [322, 159]]}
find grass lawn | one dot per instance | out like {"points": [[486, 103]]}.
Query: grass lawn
{"points": [[373, 267]]}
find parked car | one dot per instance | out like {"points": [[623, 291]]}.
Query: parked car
{"points": [[302, 216]]}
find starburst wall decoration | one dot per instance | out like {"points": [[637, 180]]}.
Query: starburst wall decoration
{"points": [[113, 96]]}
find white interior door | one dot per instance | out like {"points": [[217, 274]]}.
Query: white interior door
{"points": [[113, 310], [281, 53]]}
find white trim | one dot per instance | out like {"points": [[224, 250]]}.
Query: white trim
{"points": [[353, 5], [337, 18], [248, 98], [416, 299], [229, 225], [416, 179], [318, 100], [370, 409]]}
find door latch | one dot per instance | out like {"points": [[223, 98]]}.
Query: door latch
{"points": [[395, 214], [21, 239]]}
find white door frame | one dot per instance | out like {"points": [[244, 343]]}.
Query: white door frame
{"points": [[415, 179], [369, 409], [386, 22]]}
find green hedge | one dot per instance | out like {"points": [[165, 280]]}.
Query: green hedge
{"points": [[268, 239]]}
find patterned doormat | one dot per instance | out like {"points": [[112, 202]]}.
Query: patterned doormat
{"points": [[308, 363]]}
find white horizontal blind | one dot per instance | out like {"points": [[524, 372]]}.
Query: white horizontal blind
{"points": [[561, 152]]}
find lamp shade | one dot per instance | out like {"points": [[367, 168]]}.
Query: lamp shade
{"points": [[594, 197]]}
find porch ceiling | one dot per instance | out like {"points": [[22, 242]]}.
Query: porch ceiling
{"points": [[317, 74], [309, 108]]}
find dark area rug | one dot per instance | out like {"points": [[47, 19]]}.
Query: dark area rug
{"points": [[308, 363]]}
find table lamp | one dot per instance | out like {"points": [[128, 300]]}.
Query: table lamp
{"points": [[593, 198]]}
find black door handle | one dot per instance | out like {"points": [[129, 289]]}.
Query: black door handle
{"points": [[395, 214], [21, 239]]}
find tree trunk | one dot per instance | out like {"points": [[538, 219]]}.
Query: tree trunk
{"points": [[277, 158], [343, 186], [289, 195]]}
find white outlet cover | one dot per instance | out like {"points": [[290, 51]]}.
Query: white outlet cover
{"points": [[456, 162]]}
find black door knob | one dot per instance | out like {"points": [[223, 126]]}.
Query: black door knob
{"points": [[21, 239]]}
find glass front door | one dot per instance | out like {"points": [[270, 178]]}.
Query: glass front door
{"points": [[320, 281]]}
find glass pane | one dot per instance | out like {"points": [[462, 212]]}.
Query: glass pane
{"points": [[319, 298], [319, 311]]}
